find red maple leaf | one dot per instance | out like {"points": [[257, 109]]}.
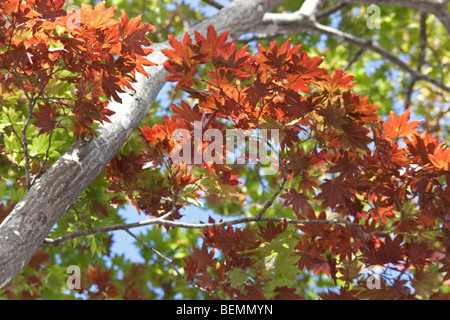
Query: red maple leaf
{"points": [[204, 259], [49, 9], [211, 46], [354, 136], [270, 232], [97, 276], [231, 240], [134, 35], [232, 59], [180, 62], [335, 84], [421, 145], [111, 88], [186, 113], [46, 118], [335, 192], [286, 293], [190, 267], [277, 56], [299, 202], [389, 251]]}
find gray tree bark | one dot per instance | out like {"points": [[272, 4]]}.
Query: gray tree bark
{"points": [[24, 230]]}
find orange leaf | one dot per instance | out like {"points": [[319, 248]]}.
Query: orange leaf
{"points": [[98, 17], [398, 127], [441, 158]]}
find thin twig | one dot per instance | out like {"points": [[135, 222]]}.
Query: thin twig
{"points": [[421, 60], [26, 156], [214, 3], [44, 162], [168, 260], [325, 13], [275, 195], [355, 58]]}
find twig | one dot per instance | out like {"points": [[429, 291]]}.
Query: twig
{"points": [[168, 260], [421, 60], [26, 156], [214, 3], [275, 195], [355, 58], [325, 13], [44, 162]]}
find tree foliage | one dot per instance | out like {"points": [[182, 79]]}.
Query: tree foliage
{"points": [[359, 195]]}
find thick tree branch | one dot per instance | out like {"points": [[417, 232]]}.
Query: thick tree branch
{"points": [[309, 8], [24, 230]]}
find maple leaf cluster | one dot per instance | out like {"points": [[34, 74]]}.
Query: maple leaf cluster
{"points": [[33, 278], [98, 284], [360, 192], [69, 64]]}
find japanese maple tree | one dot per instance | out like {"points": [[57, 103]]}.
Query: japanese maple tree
{"points": [[359, 203]]}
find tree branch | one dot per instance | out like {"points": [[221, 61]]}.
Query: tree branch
{"points": [[436, 7], [186, 225], [309, 8], [275, 23], [159, 221]]}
